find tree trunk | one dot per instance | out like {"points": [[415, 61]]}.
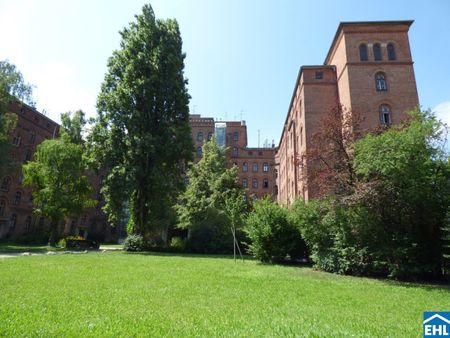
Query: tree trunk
{"points": [[53, 232]]}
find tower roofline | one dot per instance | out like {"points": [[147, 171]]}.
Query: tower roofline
{"points": [[362, 23]]}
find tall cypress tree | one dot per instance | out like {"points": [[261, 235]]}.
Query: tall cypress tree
{"points": [[142, 135]]}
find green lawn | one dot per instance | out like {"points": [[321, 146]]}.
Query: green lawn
{"points": [[116, 294]]}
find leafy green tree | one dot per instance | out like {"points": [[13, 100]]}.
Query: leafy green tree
{"points": [[12, 88], [142, 136], [72, 125], [405, 180], [213, 194], [59, 186]]}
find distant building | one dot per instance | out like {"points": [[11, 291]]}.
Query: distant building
{"points": [[368, 70], [256, 166]]}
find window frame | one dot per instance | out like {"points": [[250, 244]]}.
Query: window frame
{"points": [[363, 52], [385, 110], [392, 55], [380, 82], [377, 52], [245, 167]]}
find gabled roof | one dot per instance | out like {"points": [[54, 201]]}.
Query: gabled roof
{"points": [[436, 316], [365, 23]]}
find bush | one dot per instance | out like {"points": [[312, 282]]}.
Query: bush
{"points": [[273, 236], [211, 234], [178, 244], [134, 243]]}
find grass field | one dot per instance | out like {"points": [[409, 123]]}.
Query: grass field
{"points": [[137, 295]]}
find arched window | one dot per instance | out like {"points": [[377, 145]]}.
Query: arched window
{"points": [[13, 221], [377, 52], [391, 52], [6, 183], [363, 56], [244, 183], [235, 152], [235, 136], [255, 167], [28, 223], [200, 136], [385, 114], [265, 183], [17, 198], [199, 152], [210, 135], [245, 167], [2, 207], [380, 82], [265, 167]]}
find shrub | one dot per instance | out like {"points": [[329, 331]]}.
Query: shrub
{"points": [[211, 234], [273, 236], [134, 243], [178, 244]]}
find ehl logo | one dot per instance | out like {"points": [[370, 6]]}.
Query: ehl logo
{"points": [[436, 324]]}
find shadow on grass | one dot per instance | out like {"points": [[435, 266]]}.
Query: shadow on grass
{"points": [[188, 255], [19, 248]]}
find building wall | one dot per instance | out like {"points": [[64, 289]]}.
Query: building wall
{"points": [[349, 83]]}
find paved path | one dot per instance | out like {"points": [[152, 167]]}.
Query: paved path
{"points": [[17, 254]]}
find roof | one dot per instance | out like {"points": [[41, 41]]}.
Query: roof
{"points": [[366, 23]]}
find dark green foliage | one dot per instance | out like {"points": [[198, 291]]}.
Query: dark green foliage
{"points": [[272, 234], [142, 135], [72, 125], [394, 221], [213, 202], [210, 234], [134, 243]]}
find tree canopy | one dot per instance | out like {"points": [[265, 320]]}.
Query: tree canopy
{"points": [[142, 136], [57, 176]]}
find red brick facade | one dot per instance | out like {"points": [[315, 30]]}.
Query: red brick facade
{"points": [[368, 70]]}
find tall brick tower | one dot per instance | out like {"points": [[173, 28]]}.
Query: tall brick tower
{"points": [[368, 70], [374, 70]]}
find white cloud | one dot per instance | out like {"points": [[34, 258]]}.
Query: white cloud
{"points": [[442, 111]]}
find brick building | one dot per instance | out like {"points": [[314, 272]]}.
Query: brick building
{"points": [[369, 70], [17, 219], [256, 166]]}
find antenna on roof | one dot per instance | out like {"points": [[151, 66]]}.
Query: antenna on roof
{"points": [[259, 134]]}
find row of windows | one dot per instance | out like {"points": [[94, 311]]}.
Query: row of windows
{"points": [[16, 201], [255, 167], [17, 139], [210, 134], [377, 54], [28, 220], [255, 183]]}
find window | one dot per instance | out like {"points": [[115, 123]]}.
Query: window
{"points": [[13, 221], [27, 155], [363, 52], [245, 167], [377, 52], [6, 183], [380, 82], [16, 140], [265, 183], [245, 183], [17, 198], [235, 152], [200, 136], [235, 136], [266, 167], [255, 183], [319, 75], [391, 52], [385, 114], [32, 137], [255, 167], [199, 152], [210, 135], [2, 207], [28, 223]]}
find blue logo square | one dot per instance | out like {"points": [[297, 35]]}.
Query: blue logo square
{"points": [[436, 324]]}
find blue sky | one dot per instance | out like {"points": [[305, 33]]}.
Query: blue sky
{"points": [[242, 56]]}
